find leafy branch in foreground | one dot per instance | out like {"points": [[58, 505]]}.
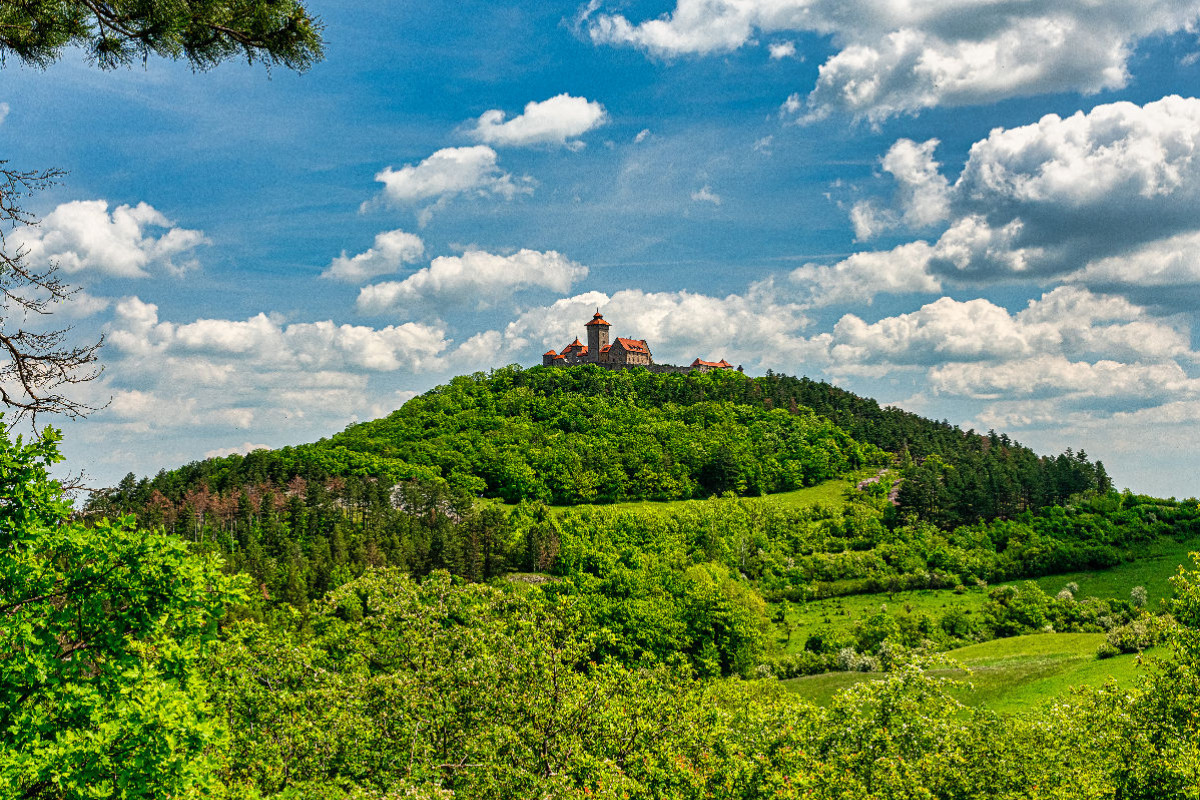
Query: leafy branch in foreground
{"points": [[102, 638], [204, 32]]}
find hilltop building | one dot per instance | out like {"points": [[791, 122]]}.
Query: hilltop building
{"points": [[621, 353]]}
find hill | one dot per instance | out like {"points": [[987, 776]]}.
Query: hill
{"points": [[585, 434], [404, 490]]}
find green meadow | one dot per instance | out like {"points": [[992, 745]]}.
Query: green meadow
{"points": [[831, 492], [1008, 675]]}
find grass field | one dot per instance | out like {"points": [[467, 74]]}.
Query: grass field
{"points": [[1007, 675], [1152, 569], [830, 493]]}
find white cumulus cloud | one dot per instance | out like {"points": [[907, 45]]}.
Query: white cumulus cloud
{"points": [[1102, 197], [266, 340], [861, 276], [128, 242], [1068, 322], [560, 120], [391, 250], [705, 194], [894, 58], [476, 277], [448, 173], [780, 50]]}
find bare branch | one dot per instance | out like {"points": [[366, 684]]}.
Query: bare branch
{"points": [[35, 367]]}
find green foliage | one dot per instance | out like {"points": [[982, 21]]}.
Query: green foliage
{"points": [[101, 634], [1153, 734], [485, 692], [204, 32]]}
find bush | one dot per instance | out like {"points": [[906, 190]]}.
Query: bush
{"points": [[1133, 637], [1106, 650], [796, 665]]}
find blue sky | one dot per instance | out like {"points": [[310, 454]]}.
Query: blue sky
{"points": [[982, 211]]}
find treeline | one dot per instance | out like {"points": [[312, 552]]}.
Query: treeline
{"points": [[590, 435]]}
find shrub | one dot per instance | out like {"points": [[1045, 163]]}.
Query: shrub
{"points": [[1134, 636], [1106, 650]]}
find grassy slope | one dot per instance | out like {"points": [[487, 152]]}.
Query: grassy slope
{"points": [[1153, 569], [1008, 675], [830, 492]]}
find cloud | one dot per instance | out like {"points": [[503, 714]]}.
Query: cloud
{"points": [[475, 278], [267, 341], [642, 135], [897, 58], [391, 250], [448, 173], [1068, 322], [922, 195], [128, 242], [560, 120], [705, 194], [1174, 261], [945, 329], [1135, 384], [861, 276], [4, 110], [203, 379], [1103, 197], [1048, 198], [780, 50]]}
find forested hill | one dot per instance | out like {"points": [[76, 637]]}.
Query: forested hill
{"points": [[585, 434]]}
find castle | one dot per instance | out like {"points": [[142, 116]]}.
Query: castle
{"points": [[620, 354]]}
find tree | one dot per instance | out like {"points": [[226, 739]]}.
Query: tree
{"points": [[119, 32], [41, 365], [102, 632]]}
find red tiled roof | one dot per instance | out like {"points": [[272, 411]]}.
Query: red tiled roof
{"points": [[560, 358], [723, 364], [550, 353], [633, 345], [597, 320]]}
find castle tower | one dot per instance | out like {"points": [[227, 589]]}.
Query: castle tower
{"points": [[597, 333]]}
